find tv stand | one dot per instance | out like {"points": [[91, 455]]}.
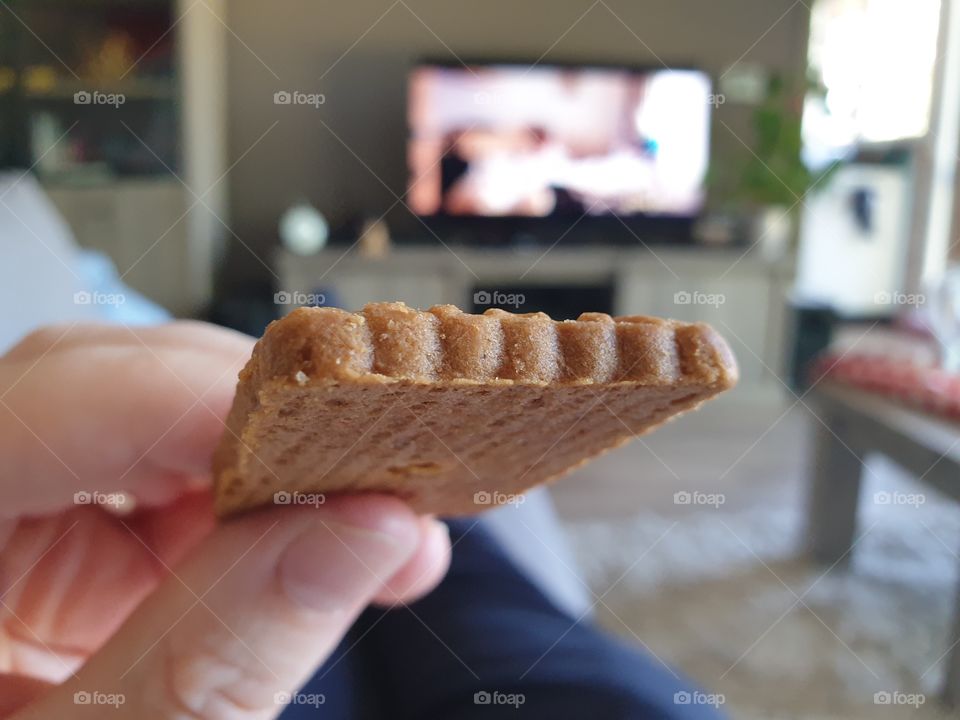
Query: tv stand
{"points": [[742, 296]]}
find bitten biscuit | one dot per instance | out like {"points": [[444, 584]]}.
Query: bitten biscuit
{"points": [[452, 412]]}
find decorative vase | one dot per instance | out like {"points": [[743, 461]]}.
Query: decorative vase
{"points": [[773, 231], [303, 230]]}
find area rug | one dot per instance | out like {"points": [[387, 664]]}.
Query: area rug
{"points": [[728, 596]]}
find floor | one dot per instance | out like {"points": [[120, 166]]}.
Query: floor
{"points": [[720, 586]]}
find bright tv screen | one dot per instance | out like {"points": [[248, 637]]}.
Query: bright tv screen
{"points": [[551, 141]]}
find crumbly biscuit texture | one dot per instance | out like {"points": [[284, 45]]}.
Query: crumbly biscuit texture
{"points": [[453, 412]]}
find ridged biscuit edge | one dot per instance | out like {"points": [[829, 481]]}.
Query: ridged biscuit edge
{"points": [[389, 342]]}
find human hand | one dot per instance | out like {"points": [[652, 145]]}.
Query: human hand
{"points": [[149, 606]]}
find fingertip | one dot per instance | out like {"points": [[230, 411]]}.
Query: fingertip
{"points": [[424, 571], [348, 551], [377, 513]]}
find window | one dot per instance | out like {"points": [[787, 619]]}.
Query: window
{"points": [[874, 61]]}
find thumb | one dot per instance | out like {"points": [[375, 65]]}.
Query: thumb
{"points": [[247, 618]]}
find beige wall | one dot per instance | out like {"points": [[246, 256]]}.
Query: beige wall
{"points": [[296, 44]]}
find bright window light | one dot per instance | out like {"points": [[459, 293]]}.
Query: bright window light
{"points": [[875, 59]]}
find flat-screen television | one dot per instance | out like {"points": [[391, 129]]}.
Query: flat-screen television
{"points": [[520, 141]]}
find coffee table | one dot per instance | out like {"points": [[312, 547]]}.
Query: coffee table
{"points": [[862, 423]]}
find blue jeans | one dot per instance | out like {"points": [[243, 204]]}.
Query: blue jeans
{"points": [[487, 644]]}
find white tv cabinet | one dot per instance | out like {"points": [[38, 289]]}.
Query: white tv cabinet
{"points": [[748, 295]]}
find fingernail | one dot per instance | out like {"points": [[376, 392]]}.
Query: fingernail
{"points": [[333, 566]]}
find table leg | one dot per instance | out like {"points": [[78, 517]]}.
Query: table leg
{"points": [[834, 491], [951, 681]]}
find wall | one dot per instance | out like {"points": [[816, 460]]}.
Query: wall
{"points": [[357, 54]]}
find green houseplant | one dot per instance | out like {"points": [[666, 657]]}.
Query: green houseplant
{"points": [[769, 181]]}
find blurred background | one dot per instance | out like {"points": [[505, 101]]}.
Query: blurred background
{"points": [[783, 170]]}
